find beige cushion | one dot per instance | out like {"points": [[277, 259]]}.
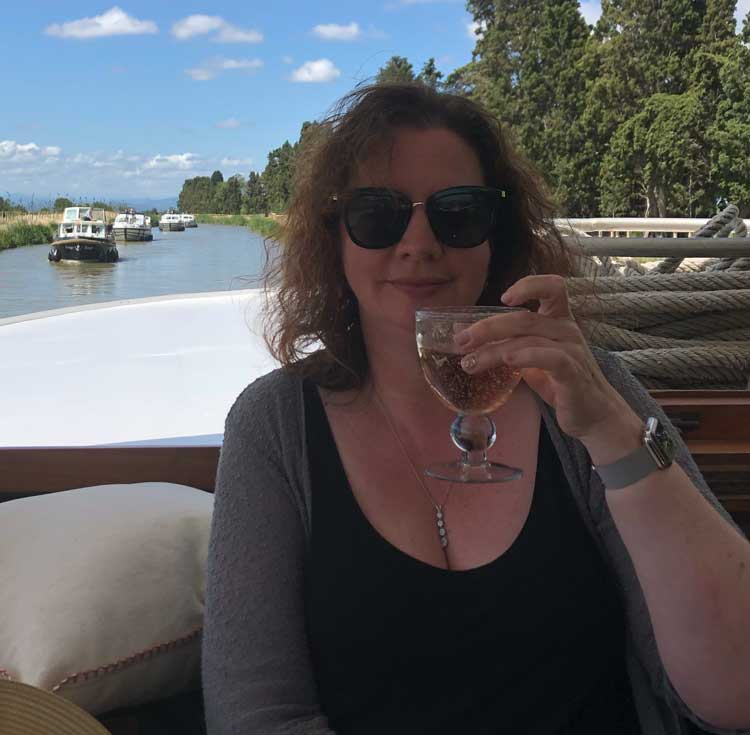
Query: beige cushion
{"points": [[103, 591]]}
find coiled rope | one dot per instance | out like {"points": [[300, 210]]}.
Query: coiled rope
{"points": [[679, 323]]}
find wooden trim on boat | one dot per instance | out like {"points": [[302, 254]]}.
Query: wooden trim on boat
{"points": [[714, 424], [25, 471]]}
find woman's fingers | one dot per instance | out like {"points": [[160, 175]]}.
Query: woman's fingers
{"points": [[549, 290], [516, 324], [525, 352]]}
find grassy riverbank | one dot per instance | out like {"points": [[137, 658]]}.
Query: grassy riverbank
{"points": [[265, 226], [19, 234]]}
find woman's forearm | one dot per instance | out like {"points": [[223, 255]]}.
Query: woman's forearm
{"points": [[694, 569]]}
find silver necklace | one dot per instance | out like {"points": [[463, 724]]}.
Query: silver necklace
{"points": [[439, 507]]}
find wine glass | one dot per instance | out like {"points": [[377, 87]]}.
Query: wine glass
{"points": [[472, 397]]}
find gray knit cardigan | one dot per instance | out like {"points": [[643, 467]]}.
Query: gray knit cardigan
{"points": [[257, 673]]}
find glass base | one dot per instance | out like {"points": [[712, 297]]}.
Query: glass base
{"points": [[481, 473]]}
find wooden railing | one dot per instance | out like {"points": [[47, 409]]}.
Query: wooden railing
{"points": [[714, 424]]}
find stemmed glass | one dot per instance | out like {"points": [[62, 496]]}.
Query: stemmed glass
{"points": [[472, 397]]}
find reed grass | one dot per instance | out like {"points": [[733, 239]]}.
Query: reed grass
{"points": [[265, 226], [18, 234]]}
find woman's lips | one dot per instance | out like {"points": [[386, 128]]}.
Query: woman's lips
{"points": [[418, 287]]}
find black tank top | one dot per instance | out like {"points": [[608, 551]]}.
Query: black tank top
{"points": [[530, 644]]}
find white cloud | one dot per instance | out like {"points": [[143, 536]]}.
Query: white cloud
{"points": [[230, 34], [475, 29], [201, 25], [174, 161], [321, 70], [334, 32], [10, 151], [251, 64], [196, 25], [201, 74], [591, 10], [30, 167], [229, 124], [236, 161], [115, 22], [213, 67], [743, 8]]}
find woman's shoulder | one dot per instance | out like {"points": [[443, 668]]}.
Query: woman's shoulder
{"points": [[272, 398]]}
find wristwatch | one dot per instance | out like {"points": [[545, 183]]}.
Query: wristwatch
{"points": [[655, 453]]}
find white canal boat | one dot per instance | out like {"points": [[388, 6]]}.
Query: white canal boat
{"points": [[84, 235], [130, 226], [188, 220], [171, 222]]}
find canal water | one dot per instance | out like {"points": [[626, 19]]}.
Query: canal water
{"points": [[207, 258]]}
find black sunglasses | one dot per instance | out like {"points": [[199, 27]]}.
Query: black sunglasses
{"points": [[460, 217]]}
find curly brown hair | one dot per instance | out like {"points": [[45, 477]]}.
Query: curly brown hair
{"points": [[312, 321]]}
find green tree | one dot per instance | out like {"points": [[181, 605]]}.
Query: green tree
{"points": [[196, 195], [658, 161], [217, 178], [255, 199], [527, 69], [277, 176], [730, 132], [397, 69], [231, 200], [62, 203], [430, 74]]}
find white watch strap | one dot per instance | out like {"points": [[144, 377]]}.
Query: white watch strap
{"points": [[628, 470]]}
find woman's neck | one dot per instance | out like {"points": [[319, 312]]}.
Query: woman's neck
{"points": [[394, 370]]}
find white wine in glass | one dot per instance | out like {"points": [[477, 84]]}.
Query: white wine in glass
{"points": [[472, 397]]}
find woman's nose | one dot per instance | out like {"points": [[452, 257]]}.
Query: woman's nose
{"points": [[419, 240]]}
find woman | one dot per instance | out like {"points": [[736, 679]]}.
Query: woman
{"points": [[543, 605]]}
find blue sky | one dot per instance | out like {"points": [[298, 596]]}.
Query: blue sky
{"points": [[131, 99]]}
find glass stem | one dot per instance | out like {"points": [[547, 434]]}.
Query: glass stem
{"points": [[473, 435]]}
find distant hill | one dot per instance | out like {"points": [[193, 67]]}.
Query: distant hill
{"points": [[140, 203]]}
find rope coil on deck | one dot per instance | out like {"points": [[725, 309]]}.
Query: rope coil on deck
{"points": [[679, 323]]}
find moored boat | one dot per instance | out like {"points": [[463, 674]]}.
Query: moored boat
{"points": [[171, 222], [130, 226], [188, 220], [84, 235]]}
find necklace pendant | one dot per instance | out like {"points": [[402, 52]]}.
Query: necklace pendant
{"points": [[442, 530]]}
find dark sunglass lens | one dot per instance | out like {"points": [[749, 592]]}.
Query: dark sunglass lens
{"points": [[462, 218], [376, 219]]}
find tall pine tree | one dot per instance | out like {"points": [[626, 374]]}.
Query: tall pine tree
{"points": [[526, 69]]}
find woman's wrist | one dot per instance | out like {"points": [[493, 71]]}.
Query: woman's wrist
{"points": [[614, 438]]}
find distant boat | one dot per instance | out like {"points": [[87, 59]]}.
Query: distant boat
{"points": [[130, 226], [84, 235], [171, 222], [188, 220]]}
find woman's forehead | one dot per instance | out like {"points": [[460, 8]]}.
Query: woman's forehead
{"points": [[411, 155]]}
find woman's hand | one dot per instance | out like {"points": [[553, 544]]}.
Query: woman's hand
{"points": [[551, 352]]}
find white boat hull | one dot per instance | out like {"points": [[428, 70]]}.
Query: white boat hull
{"points": [[158, 370], [132, 234]]}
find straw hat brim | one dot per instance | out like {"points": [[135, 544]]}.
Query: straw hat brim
{"points": [[28, 710]]}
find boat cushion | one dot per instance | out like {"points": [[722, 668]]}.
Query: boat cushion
{"points": [[103, 591]]}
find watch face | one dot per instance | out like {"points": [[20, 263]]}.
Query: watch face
{"points": [[664, 442]]}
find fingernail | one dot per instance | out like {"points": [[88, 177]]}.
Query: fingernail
{"points": [[506, 298], [469, 363], [462, 338]]}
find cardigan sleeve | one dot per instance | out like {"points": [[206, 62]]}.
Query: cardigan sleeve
{"points": [[257, 672], [641, 401]]}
